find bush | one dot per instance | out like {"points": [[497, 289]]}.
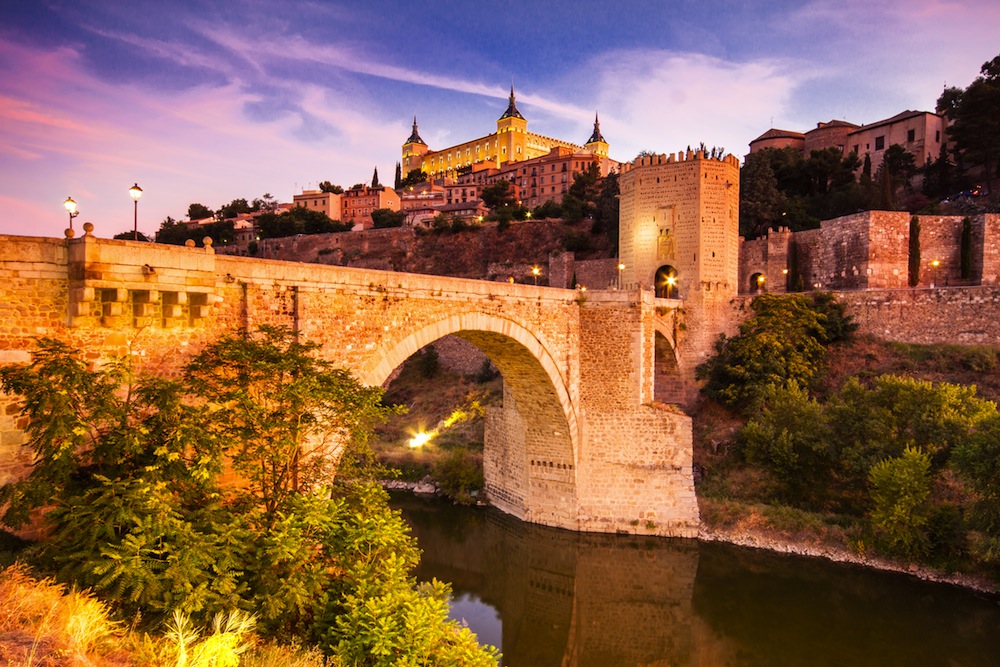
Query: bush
{"points": [[460, 476], [900, 488], [782, 343]]}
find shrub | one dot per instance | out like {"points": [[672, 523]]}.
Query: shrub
{"points": [[460, 475], [900, 488]]}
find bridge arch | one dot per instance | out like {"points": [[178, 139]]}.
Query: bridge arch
{"points": [[532, 443]]}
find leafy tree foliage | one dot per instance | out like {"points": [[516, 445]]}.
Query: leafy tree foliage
{"points": [[900, 490], [327, 186], [414, 177], [177, 233], [762, 204], [549, 209], [298, 220], [234, 208], [976, 461], [606, 210], [130, 465], [782, 343], [130, 235], [790, 438], [819, 187], [975, 129], [199, 212], [580, 199], [383, 218], [500, 195]]}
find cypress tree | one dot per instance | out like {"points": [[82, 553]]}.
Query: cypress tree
{"points": [[966, 249], [399, 177], [914, 263]]}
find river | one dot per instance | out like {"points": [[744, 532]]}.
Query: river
{"points": [[550, 597]]}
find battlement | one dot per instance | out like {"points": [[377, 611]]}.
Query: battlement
{"points": [[683, 156]]}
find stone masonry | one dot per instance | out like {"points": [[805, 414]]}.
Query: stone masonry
{"points": [[579, 442]]}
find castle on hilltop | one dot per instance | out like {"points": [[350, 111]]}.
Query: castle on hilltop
{"points": [[540, 168]]}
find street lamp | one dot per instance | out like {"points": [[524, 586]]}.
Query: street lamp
{"points": [[621, 267], [535, 271], [135, 192], [935, 263], [760, 282], [71, 209]]}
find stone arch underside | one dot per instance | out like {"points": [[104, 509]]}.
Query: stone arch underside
{"points": [[531, 448]]}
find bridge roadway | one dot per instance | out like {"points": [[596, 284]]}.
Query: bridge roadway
{"points": [[579, 442]]}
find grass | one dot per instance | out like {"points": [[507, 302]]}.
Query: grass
{"points": [[42, 624]]}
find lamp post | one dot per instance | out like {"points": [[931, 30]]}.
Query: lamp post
{"points": [[621, 267], [535, 271], [70, 206], [935, 263], [135, 192], [760, 283]]}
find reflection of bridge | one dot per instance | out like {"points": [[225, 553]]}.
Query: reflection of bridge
{"points": [[579, 442], [565, 599]]}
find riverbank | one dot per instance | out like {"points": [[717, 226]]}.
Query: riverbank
{"points": [[841, 554]]}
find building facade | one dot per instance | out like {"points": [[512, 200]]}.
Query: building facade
{"points": [[510, 143], [327, 203], [358, 203]]}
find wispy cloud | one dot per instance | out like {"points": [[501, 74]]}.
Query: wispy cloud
{"points": [[664, 101]]}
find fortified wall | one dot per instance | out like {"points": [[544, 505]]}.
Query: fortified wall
{"points": [[871, 251]]}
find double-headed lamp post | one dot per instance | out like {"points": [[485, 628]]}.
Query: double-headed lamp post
{"points": [[70, 206], [135, 192]]}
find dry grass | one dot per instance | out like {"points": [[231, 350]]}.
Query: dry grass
{"points": [[44, 625]]}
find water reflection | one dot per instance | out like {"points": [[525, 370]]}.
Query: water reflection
{"points": [[567, 599]]}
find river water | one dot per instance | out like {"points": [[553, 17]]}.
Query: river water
{"points": [[549, 597]]}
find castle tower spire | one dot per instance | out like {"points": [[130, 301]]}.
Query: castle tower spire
{"points": [[596, 135], [597, 144], [511, 111], [415, 136]]}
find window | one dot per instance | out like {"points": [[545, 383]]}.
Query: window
{"points": [[880, 143], [937, 135], [911, 135], [855, 149]]}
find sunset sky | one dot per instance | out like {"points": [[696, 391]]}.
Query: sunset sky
{"points": [[210, 101]]}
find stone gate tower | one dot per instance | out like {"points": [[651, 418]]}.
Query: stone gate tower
{"points": [[679, 235]]}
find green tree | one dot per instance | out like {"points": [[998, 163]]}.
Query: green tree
{"points": [[901, 167], [913, 262], [234, 208], [580, 199], [398, 181], [900, 490], [790, 438], [761, 202], [606, 210], [413, 177], [498, 196], [327, 186], [976, 459], [383, 218], [782, 343], [976, 127], [871, 423], [199, 212]]}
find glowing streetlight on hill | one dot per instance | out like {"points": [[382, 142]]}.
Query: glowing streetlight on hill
{"points": [[70, 206], [135, 192]]}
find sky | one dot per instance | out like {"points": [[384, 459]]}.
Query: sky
{"points": [[212, 101]]}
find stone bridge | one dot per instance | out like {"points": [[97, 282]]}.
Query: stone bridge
{"points": [[580, 442]]}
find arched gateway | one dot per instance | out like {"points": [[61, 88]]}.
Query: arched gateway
{"points": [[579, 442]]}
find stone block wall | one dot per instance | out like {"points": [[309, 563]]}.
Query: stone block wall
{"points": [[871, 250]]}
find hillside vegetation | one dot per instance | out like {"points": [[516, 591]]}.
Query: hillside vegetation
{"points": [[807, 434]]}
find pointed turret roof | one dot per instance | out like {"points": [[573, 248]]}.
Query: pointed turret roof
{"points": [[512, 111], [596, 135], [415, 136], [375, 183]]}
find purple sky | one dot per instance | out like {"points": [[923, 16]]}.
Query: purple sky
{"points": [[207, 102]]}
